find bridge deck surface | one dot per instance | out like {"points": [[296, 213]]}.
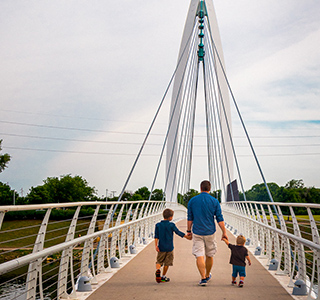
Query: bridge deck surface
{"points": [[136, 280]]}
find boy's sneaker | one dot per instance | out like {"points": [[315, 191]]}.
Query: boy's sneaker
{"points": [[208, 278], [158, 276], [241, 283], [165, 279], [203, 282], [233, 282]]}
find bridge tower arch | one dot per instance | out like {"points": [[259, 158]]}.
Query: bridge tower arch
{"points": [[172, 158]]}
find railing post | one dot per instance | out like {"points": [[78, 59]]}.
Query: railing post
{"points": [[285, 245], [268, 243], [104, 243], [301, 254], [67, 255], [261, 236], [88, 245], [124, 233], [35, 267], [115, 236], [316, 254], [133, 231], [2, 213]]}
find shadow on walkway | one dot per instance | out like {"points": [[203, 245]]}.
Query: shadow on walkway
{"points": [[136, 280]]}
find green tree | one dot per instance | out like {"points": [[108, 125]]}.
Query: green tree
{"points": [[187, 196], [259, 192], [63, 189], [294, 184], [157, 194], [4, 159], [7, 195], [38, 195], [143, 192]]}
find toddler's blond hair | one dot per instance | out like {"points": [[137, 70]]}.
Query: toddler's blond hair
{"points": [[241, 240]]}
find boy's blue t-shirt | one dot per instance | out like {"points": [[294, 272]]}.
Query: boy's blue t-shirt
{"points": [[164, 233], [203, 209]]}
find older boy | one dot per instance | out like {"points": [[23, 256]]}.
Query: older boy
{"points": [[164, 244]]}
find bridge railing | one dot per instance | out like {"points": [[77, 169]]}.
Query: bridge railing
{"points": [[43, 259], [286, 234]]}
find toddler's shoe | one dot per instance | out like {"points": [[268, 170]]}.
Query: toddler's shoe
{"points": [[241, 283], [233, 282]]}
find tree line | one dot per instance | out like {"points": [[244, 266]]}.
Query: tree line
{"points": [[69, 188], [65, 189]]}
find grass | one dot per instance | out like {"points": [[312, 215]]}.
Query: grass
{"points": [[23, 233]]}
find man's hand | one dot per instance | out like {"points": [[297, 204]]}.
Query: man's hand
{"points": [[157, 249], [225, 240], [188, 236], [224, 236]]}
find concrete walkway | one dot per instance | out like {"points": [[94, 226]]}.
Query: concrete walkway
{"points": [[136, 280]]}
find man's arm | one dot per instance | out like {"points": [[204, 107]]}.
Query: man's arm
{"points": [[189, 226], [224, 231]]}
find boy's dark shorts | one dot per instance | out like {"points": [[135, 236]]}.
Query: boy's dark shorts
{"points": [[165, 258]]}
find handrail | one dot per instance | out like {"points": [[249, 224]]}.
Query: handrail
{"points": [[293, 245], [7, 208], [106, 236], [21, 261], [311, 205], [283, 233]]}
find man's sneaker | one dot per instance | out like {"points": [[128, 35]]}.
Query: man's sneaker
{"points": [[233, 282], [158, 276], [203, 282], [208, 278], [241, 283], [165, 279]]}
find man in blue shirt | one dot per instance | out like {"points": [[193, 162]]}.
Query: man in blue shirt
{"points": [[203, 210]]}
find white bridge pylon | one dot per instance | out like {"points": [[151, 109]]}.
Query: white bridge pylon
{"points": [[201, 27]]}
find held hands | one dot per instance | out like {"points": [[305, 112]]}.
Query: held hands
{"points": [[224, 237], [188, 236], [225, 240]]}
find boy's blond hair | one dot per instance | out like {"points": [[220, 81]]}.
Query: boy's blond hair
{"points": [[241, 240]]}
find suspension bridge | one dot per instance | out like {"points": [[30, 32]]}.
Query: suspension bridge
{"points": [[105, 248]]}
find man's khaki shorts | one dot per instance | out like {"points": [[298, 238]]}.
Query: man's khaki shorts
{"points": [[204, 245], [165, 258]]}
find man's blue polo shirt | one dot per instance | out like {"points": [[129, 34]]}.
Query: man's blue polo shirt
{"points": [[203, 209], [164, 232]]}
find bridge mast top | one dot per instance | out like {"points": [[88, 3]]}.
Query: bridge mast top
{"points": [[202, 11]]}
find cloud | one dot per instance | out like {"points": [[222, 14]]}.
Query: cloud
{"points": [[104, 66]]}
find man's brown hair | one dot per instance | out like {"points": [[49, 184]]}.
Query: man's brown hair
{"points": [[241, 240], [205, 186], [167, 213]]}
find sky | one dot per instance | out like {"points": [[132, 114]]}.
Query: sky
{"points": [[82, 80]]}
